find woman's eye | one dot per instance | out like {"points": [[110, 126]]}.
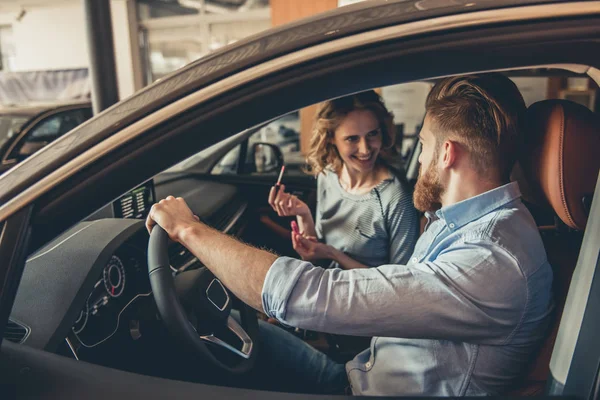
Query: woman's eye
{"points": [[351, 139], [373, 133]]}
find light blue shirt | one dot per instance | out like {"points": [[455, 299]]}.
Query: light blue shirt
{"points": [[463, 317]]}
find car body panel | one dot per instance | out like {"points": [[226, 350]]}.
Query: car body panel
{"points": [[103, 136]]}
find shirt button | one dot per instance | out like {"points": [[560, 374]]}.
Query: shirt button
{"points": [[415, 259], [368, 365], [452, 225]]}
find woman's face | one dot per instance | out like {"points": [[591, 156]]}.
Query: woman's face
{"points": [[358, 140]]}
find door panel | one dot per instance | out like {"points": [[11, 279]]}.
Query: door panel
{"points": [[266, 227], [14, 238]]}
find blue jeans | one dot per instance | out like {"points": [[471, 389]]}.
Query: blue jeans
{"points": [[287, 363]]}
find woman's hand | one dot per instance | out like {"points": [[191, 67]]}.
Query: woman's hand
{"points": [[286, 204], [309, 248]]}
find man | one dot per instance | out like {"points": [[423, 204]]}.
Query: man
{"points": [[464, 316]]}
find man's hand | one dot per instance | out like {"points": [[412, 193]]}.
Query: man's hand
{"points": [[285, 204], [309, 248], [173, 215], [241, 268]]}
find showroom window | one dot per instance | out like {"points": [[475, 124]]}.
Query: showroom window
{"points": [[176, 32], [7, 48]]}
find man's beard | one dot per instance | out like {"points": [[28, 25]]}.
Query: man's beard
{"points": [[428, 189]]}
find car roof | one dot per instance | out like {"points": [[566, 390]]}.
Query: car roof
{"points": [[252, 51], [33, 109]]}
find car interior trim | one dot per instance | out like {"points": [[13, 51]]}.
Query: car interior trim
{"points": [[238, 214], [235, 328], [218, 282], [435, 25], [594, 73], [15, 235], [578, 295], [583, 380], [22, 325], [61, 242], [68, 341]]}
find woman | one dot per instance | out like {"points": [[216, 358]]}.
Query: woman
{"points": [[365, 216]]}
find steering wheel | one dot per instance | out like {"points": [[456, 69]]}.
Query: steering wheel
{"points": [[205, 313]]}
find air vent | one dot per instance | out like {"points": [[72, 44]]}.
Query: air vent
{"points": [[15, 332], [227, 214]]}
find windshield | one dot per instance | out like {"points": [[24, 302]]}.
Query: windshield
{"points": [[9, 126]]}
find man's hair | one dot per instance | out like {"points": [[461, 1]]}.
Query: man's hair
{"points": [[330, 114], [484, 114]]}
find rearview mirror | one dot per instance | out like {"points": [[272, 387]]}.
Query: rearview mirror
{"points": [[265, 158]]}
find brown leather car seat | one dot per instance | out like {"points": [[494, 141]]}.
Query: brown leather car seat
{"points": [[560, 163]]}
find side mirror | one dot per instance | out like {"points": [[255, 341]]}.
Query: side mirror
{"points": [[264, 158]]}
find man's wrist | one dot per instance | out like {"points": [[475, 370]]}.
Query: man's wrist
{"points": [[187, 234]]}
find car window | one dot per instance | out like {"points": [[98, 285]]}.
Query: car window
{"points": [[10, 125], [406, 101], [228, 165], [284, 133], [49, 130]]}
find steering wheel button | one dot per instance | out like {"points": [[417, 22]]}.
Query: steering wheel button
{"points": [[217, 294]]}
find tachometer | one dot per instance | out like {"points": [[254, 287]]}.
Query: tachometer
{"points": [[114, 277]]}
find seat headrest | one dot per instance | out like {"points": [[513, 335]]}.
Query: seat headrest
{"points": [[560, 157]]}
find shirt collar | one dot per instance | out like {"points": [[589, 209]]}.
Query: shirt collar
{"points": [[463, 212]]}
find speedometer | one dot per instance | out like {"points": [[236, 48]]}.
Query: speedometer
{"points": [[114, 277]]}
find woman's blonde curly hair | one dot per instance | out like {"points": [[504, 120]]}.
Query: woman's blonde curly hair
{"points": [[322, 153]]}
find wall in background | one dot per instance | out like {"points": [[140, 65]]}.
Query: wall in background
{"points": [[48, 37]]}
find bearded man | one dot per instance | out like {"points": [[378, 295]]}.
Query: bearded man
{"points": [[463, 317]]}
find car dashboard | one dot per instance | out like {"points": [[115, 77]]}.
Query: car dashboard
{"points": [[90, 287]]}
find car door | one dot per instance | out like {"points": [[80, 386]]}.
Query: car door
{"points": [[255, 165], [251, 163], [39, 374]]}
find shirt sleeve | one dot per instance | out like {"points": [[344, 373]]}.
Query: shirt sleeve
{"points": [[403, 225], [450, 298]]}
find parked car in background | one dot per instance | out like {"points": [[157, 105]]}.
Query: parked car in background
{"points": [[26, 129]]}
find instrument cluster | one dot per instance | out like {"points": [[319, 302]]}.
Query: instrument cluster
{"points": [[123, 279]]}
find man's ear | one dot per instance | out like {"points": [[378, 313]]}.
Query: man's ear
{"points": [[449, 154]]}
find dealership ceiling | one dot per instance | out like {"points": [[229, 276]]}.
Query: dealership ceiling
{"points": [[175, 6]]}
